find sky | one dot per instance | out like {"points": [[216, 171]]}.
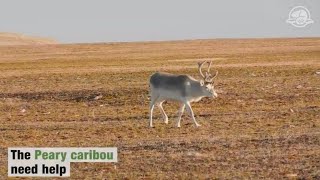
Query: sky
{"points": [[84, 21]]}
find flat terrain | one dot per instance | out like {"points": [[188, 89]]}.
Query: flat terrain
{"points": [[264, 124], [12, 39]]}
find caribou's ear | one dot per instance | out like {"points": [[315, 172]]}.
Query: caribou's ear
{"points": [[201, 82]]}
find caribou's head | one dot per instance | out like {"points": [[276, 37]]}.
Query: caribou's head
{"points": [[206, 82]]}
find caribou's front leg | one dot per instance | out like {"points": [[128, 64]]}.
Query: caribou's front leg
{"points": [[165, 117], [189, 109], [181, 109]]}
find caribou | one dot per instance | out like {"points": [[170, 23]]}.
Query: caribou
{"points": [[182, 88]]}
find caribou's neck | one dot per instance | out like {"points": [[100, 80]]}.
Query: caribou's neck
{"points": [[196, 94]]}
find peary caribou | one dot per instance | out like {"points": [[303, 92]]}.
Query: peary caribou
{"points": [[182, 88]]}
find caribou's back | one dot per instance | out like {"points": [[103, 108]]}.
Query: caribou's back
{"points": [[166, 83]]}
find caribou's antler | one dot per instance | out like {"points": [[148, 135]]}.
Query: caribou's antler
{"points": [[200, 66], [215, 75], [208, 77], [209, 66]]}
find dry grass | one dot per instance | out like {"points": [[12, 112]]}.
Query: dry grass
{"points": [[265, 123]]}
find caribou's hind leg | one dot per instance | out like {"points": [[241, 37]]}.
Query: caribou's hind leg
{"points": [[181, 109], [154, 98]]}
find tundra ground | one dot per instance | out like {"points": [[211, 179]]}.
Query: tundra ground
{"points": [[264, 124]]}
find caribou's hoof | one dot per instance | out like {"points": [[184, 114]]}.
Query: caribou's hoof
{"points": [[166, 121], [178, 126], [198, 125]]}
